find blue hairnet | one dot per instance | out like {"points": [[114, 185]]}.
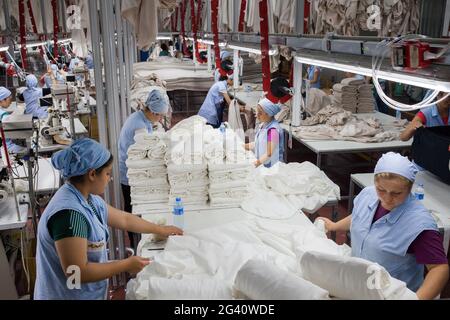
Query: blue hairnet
{"points": [[83, 155], [392, 162], [224, 55], [31, 81], [157, 102], [269, 107], [4, 93]]}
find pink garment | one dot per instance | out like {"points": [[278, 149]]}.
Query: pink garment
{"points": [[273, 136]]}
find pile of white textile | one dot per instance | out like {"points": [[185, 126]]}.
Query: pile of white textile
{"points": [[147, 171], [353, 95], [285, 189]]}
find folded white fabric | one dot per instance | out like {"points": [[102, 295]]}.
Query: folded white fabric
{"points": [[144, 163], [190, 289], [157, 152], [260, 280], [152, 173], [352, 81], [351, 278]]}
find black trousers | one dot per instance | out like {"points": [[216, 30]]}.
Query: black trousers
{"points": [[134, 237]]}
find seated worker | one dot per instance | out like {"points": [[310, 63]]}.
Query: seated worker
{"points": [[389, 227], [5, 102], [73, 230], [432, 116], [269, 140], [213, 107], [164, 51], [54, 76], [31, 96]]}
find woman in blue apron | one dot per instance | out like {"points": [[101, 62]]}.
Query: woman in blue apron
{"points": [[72, 261], [313, 75], [156, 106], [269, 140], [389, 227], [5, 102], [432, 116], [31, 96], [213, 107]]}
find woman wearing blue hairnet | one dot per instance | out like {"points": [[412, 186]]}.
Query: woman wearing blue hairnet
{"points": [[389, 227], [213, 107], [226, 64], [269, 140], [31, 96], [73, 230], [156, 106], [5, 102]]}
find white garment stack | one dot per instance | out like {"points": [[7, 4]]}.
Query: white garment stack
{"points": [[353, 95]]}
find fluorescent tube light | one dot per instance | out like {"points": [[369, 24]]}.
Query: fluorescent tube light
{"points": [[4, 49], [163, 38], [251, 50], [211, 43]]}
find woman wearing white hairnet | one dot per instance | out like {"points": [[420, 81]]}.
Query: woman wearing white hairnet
{"points": [[71, 259], [389, 227], [269, 140], [5, 102], [31, 96], [213, 107], [156, 106]]}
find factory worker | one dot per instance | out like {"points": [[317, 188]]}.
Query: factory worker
{"points": [[313, 75], [164, 51], [89, 61], [74, 62], [214, 105], [432, 116], [53, 76], [73, 230], [226, 65], [5, 102], [269, 140], [31, 96], [389, 227], [156, 106]]}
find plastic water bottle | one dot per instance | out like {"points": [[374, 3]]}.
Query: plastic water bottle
{"points": [[223, 128], [178, 214], [419, 192]]}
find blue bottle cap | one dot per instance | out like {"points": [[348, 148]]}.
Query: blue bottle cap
{"points": [[178, 199]]}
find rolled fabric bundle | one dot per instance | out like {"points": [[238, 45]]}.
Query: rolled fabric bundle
{"points": [[259, 280]]}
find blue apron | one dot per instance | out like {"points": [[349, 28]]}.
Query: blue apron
{"points": [[31, 97], [311, 70], [212, 108], [261, 143], [387, 241], [51, 280]]}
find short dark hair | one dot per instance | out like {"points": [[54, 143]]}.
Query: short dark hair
{"points": [[164, 47], [223, 78], [80, 179]]}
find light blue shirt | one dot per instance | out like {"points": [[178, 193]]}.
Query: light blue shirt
{"points": [[31, 97], [135, 122], [387, 241], [311, 70], [261, 143], [212, 102], [433, 117], [51, 281], [12, 147]]}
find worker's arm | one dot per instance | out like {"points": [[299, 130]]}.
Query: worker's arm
{"points": [[342, 225], [410, 130], [226, 97], [434, 282], [73, 252], [249, 146], [270, 149], [129, 222]]}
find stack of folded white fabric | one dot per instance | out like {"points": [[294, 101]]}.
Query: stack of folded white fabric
{"points": [[365, 99], [229, 176], [345, 96], [147, 171], [188, 182]]}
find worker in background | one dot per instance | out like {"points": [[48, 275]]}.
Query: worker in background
{"points": [[74, 62], [164, 51], [269, 140], [156, 106], [389, 227], [432, 116], [217, 98], [226, 64], [31, 96], [313, 75], [5, 102], [89, 61], [171, 49], [53, 76], [73, 230]]}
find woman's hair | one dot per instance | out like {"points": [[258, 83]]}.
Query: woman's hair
{"points": [[223, 78], [164, 47], [80, 179], [391, 176]]}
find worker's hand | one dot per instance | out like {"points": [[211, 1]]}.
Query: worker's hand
{"points": [[136, 264], [167, 231], [257, 163], [329, 225], [418, 125], [247, 146]]}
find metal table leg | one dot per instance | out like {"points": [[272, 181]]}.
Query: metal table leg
{"points": [[319, 160], [334, 216], [351, 195]]}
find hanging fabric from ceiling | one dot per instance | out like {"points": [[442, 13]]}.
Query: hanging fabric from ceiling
{"points": [[143, 16], [349, 17]]}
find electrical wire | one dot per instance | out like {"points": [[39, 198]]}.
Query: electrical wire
{"points": [[22, 253], [382, 50]]}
